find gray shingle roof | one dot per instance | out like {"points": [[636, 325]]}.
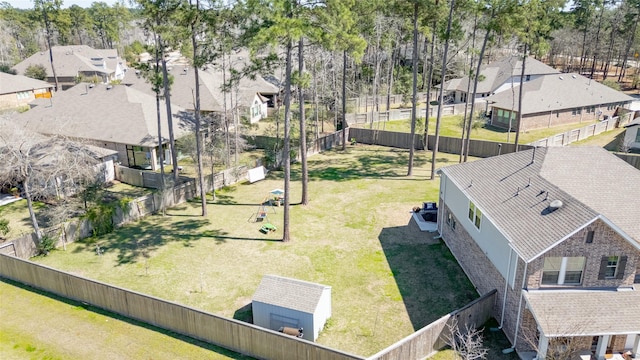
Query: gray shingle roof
{"points": [[15, 83], [585, 312], [590, 182], [558, 92], [183, 88], [120, 114], [71, 59], [497, 72], [289, 293]]}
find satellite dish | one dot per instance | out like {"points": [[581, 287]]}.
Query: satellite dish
{"points": [[555, 205]]}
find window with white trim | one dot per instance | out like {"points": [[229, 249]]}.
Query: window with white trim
{"points": [[563, 270], [475, 215], [612, 267]]}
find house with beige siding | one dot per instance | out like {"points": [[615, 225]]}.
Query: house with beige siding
{"points": [[556, 231], [17, 91], [555, 99]]}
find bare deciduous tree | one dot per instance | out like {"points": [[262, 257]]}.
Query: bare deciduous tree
{"points": [[43, 167], [466, 342]]}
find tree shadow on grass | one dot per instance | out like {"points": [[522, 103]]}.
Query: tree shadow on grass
{"points": [[136, 242], [96, 310], [429, 278], [372, 163], [133, 243]]}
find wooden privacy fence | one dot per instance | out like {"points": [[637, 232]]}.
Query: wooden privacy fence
{"points": [[570, 136], [632, 159], [231, 334], [26, 245], [400, 114], [450, 145], [433, 337]]}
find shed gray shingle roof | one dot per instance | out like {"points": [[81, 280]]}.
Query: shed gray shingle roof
{"points": [[585, 312], [120, 114], [590, 182], [558, 92], [289, 293], [15, 83]]}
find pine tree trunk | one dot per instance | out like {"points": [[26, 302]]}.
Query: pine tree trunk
{"points": [[303, 127], [441, 95], [286, 150], [414, 98]]}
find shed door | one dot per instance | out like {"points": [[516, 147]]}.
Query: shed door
{"points": [[277, 321]]}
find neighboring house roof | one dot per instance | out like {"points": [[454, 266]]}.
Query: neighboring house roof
{"points": [[10, 84], [182, 88], [211, 81], [558, 92], [73, 59], [289, 293], [514, 193], [585, 312], [117, 114], [497, 72]]}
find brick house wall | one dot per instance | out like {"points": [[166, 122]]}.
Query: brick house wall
{"points": [[553, 118], [606, 242], [485, 276]]}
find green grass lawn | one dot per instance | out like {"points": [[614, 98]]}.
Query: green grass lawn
{"points": [[37, 325], [18, 215], [388, 279], [451, 126]]}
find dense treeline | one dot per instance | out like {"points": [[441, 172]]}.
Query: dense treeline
{"points": [[325, 51]]}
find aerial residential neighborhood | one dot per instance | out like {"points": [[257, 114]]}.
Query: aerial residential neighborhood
{"points": [[256, 180]]}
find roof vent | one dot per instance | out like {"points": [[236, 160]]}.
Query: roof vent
{"points": [[555, 205]]}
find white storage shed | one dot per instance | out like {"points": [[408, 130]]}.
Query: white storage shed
{"points": [[284, 302]]}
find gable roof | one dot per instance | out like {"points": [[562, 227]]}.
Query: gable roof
{"points": [[609, 312], [10, 84], [289, 293], [71, 59], [558, 92], [514, 193], [497, 72], [104, 113], [182, 88], [211, 80]]}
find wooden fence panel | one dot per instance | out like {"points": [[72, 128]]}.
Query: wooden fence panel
{"points": [[433, 337], [228, 333], [632, 159]]}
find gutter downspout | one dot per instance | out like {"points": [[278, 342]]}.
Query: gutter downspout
{"points": [[443, 184], [506, 287], [515, 338]]}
